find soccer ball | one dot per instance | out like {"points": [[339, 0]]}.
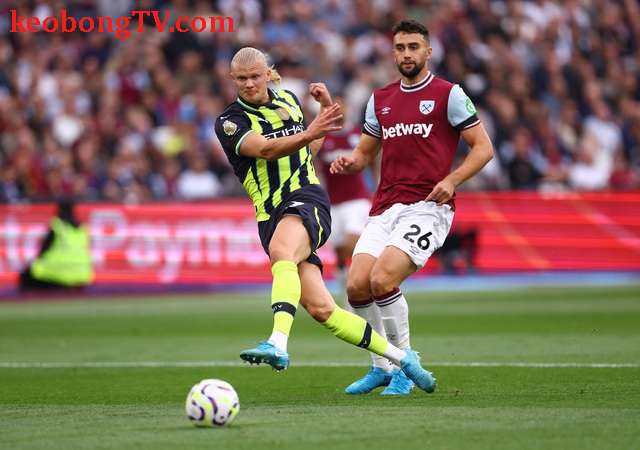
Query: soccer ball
{"points": [[212, 403]]}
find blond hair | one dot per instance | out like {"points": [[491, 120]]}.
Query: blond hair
{"points": [[251, 55]]}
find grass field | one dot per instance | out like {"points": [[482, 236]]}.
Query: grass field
{"points": [[549, 368]]}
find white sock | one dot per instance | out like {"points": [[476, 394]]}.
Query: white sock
{"points": [[279, 339], [371, 314], [394, 355], [394, 311]]}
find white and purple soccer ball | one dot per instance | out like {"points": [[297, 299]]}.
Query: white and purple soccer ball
{"points": [[212, 403]]}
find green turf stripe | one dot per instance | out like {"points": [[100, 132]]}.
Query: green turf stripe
{"points": [[143, 364]]}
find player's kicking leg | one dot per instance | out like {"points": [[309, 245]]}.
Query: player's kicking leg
{"points": [[355, 330], [288, 246]]}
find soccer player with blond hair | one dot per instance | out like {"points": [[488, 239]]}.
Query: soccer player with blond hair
{"points": [[270, 148]]}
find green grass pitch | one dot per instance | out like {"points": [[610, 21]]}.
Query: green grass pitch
{"points": [[114, 374]]}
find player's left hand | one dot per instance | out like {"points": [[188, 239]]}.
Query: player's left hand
{"points": [[320, 93], [442, 192]]}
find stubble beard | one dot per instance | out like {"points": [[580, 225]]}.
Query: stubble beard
{"points": [[410, 73]]}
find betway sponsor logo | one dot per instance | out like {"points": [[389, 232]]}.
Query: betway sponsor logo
{"points": [[285, 132], [404, 129]]}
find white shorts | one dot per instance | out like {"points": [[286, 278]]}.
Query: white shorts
{"points": [[418, 229], [347, 218]]}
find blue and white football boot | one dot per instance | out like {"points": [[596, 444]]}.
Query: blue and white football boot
{"points": [[267, 353], [376, 377], [400, 384], [424, 379]]}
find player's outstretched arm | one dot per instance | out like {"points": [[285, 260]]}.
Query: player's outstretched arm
{"points": [[320, 94], [257, 146], [364, 153], [480, 153]]}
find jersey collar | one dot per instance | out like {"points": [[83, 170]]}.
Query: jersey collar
{"points": [[419, 85], [255, 107]]}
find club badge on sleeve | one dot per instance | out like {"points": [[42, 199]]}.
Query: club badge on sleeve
{"points": [[229, 127]]}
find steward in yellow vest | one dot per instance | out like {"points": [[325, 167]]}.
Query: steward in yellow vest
{"points": [[65, 256]]}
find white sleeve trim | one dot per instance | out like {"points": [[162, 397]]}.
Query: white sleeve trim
{"points": [[457, 106], [472, 124], [371, 131], [371, 123], [240, 141]]}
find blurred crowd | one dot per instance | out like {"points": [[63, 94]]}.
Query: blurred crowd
{"points": [[556, 83]]}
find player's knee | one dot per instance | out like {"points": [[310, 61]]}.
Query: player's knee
{"points": [[358, 291], [381, 283], [320, 310], [280, 251]]}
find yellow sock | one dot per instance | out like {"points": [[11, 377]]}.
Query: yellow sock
{"points": [[355, 330], [285, 295]]}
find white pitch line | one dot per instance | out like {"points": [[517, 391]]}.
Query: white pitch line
{"points": [[168, 364]]}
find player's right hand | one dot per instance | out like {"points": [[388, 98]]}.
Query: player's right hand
{"points": [[343, 164], [328, 119]]}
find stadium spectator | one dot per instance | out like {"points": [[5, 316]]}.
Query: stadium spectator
{"points": [[592, 167], [523, 160], [556, 69], [197, 181]]}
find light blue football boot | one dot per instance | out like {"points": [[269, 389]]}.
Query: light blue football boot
{"points": [[424, 379], [376, 377], [266, 352], [400, 384]]}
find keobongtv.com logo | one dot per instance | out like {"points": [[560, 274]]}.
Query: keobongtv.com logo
{"points": [[122, 26]]}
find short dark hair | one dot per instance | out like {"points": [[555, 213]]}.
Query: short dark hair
{"points": [[410, 26], [65, 206]]}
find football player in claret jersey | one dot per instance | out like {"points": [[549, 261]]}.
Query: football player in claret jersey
{"points": [[417, 121], [349, 195], [270, 149]]}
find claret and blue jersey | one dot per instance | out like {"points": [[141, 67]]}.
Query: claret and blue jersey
{"points": [[419, 126]]}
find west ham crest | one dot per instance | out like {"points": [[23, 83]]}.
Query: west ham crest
{"points": [[426, 106]]}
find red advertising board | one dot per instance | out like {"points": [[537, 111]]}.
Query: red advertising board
{"points": [[154, 243], [218, 242]]}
